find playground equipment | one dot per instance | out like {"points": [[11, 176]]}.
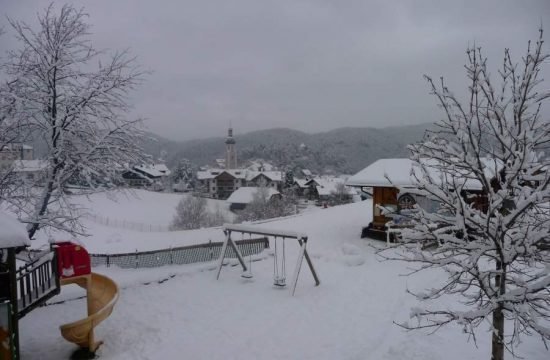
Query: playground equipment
{"points": [[31, 285], [101, 294], [248, 273], [279, 266]]}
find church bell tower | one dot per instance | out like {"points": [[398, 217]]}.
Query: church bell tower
{"points": [[230, 153]]}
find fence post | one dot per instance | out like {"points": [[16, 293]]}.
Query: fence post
{"points": [[108, 261], [136, 259], [210, 249], [171, 256]]}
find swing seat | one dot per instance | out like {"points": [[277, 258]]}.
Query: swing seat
{"points": [[247, 275], [279, 281]]}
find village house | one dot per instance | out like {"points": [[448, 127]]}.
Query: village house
{"points": [[153, 176], [30, 171], [243, 196], [220, 183], [323, 188], [387, 176], [300, 187], [12, 152]]}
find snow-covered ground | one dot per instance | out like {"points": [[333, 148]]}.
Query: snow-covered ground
{"points": [[126, 222], [142, 206], [183, 312]]}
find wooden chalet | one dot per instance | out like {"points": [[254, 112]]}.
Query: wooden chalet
{"points": [[386, 177]]}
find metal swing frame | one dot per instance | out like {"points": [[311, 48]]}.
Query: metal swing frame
{"points": [[244, 229]]}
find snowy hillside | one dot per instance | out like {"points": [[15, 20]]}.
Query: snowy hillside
{"points": [[183, 312]]}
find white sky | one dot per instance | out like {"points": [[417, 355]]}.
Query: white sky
{"points": [[310, 65]]}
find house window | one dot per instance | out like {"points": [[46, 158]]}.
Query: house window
{"points": [[406, 201]]}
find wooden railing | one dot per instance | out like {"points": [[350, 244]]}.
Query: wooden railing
{"points": [[37, 281]]}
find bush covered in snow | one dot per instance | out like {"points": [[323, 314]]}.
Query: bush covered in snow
{"points": [[192, 213], [265, 207]]}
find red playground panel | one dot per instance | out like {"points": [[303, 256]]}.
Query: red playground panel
{"points": [[72, 260]]}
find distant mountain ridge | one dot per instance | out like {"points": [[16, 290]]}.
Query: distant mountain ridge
{"points": [[339, 151]]}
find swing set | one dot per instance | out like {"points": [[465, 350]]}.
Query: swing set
{"points": [[279, 255]]}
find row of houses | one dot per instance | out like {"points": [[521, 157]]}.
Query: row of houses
{"points": [[221, 183]]}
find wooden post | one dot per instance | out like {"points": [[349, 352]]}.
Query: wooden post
{"points": [[238, 252], [222, 254], [310, 264], [298, 265], [231, 243], [13, 300]]}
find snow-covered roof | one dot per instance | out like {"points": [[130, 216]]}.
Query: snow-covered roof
{"points": [[272, 175], [204, 174], [239, 174], [212, 173], [399, 172], [301, 182], [12, 232], [256, 165], [154, 170], [245, 194], [29, 165], [16, 147]]}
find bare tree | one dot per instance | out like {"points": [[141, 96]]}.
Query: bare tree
{"points": [[266, 206], [76, 97], [11, 132], [192, 213], [493, 243], [340, 195]]}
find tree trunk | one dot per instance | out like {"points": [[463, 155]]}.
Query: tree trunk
{"points": [[498, 334], [47, 194], [497, 352]]}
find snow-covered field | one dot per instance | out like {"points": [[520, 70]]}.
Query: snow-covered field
{"points": [[126, 222], [183, 312]]}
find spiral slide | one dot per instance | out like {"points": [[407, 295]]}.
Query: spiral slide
{"points": [[102, 293]]}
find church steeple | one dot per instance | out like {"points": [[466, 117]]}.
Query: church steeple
{"points": [[230, 153]]}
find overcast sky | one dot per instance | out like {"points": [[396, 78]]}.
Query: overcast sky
{"points": [[309, 65]]}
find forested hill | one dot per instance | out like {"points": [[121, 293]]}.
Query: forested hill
{"points": [[343, 150]]}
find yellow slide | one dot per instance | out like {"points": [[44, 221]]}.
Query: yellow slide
{"points": [[102, 293]]}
